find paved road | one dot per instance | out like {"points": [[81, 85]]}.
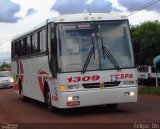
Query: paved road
{"points": [[12, 110]]}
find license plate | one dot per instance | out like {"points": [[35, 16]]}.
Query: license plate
{"points": [[73, 103]]}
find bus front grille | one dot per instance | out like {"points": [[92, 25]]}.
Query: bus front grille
{"points": [[98, 85]]}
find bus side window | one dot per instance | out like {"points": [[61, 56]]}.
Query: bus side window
{"points": [[31, 42], [20, 48], [14, 54], [39, 38], [35, 43], [37, 46], [28, 45], [16, 49], [12, 50], [42, 40], [25, 46]]}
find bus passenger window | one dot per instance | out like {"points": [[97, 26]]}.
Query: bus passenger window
{"points": [[20, 44], [39, 38], [16, 49], [42, 40], [32, 41], [28, 46], [25, 46], [12, 50], [35, 43]]}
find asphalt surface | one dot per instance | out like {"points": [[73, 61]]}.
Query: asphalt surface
{"points": [[17, 114]]}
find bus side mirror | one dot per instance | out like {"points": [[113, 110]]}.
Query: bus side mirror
{"points": [[136, 48]]}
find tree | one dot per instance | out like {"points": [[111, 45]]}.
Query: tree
{"points": [[149, 35], [4, 65]]}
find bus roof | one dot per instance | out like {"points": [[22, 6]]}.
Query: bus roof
{"points": [[88, 17], [75, 18]]}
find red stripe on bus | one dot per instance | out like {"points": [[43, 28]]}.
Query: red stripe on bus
{"points": [[21, 72], [20, 75], [40, 80]]}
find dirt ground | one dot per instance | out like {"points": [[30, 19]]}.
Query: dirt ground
{"points": [[32, 114]]}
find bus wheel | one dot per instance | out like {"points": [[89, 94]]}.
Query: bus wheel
{"points": [[111, 107], [23, 98], [49, 101]]}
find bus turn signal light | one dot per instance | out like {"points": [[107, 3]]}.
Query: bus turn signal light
{"points": [[62, 88]]}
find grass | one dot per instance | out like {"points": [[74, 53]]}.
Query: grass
{"points": [[149, 90]]}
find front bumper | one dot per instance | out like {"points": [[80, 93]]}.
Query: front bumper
{"points": [[97, 97]]}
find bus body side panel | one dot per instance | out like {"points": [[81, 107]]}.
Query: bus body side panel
{"points": [[15, 73], [32, 73], [27, 78], [39, 69]]}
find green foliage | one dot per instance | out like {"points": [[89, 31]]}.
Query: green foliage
{"points": [[149, 90], [4, 65], [149, 35]]}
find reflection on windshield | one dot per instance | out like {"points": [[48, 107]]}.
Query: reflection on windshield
{"points": [[115, 37], [76, 43], [77, 40], [109, 56]]}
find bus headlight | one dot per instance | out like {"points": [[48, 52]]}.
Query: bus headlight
{"points": [[71, 98], [132, 94]]}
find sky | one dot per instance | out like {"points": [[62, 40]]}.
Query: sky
{"points": [[18, 16]]}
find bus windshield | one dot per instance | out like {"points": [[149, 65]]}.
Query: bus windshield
{"points": [[78, 39]]}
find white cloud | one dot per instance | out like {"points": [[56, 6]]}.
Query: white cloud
{"points": [[117, 5], [43, 11], [8, 31], [30, 11], [4, 45], [143, 16], [41, 6], [8, 10], [89, 1], [6, 35]]}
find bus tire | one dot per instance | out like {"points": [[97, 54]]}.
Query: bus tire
{"points": [[23, 98], [111, 107], [48, 101]]}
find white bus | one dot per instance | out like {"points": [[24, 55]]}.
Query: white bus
{"points": [[76, 60]]}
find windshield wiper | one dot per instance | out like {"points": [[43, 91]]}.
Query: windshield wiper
{"points": [[109, 55], [92, 51]]}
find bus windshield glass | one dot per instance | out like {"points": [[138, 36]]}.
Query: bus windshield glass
{"points": [[78, 39]]}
